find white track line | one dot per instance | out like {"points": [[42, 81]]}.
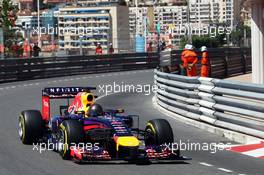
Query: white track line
{"points": [[72, 79], [206, 164], [225, 170]]}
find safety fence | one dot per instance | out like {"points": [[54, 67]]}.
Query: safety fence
{"points": [[25, 69], [225, 63], [226, 104]]}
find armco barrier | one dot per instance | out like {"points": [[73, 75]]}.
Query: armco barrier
{"points": [[231, 105], [25, 68]]}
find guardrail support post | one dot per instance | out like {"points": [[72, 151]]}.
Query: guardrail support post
{"points": [[244, 61], [226, 63]]}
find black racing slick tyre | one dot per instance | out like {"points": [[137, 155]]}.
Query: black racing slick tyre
{"points": [[31, 126], [71, 134], [158, 132]]}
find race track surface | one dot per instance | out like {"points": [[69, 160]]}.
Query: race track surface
{"points": [[16, 158]]}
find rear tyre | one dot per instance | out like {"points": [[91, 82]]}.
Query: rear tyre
{"points": [[159, 132], [31, 126], [71, 134]]}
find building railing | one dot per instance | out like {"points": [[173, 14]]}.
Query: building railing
{"points": [[226, 104]]}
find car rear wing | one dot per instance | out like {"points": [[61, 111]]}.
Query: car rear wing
{"points": [[59, 93], [64, 92]]}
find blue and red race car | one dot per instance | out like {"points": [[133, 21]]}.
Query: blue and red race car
{"points": [[84, 132]]}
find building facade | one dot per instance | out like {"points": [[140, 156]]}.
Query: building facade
{"points": [[85, 26], [166, 16], [193, 17]]}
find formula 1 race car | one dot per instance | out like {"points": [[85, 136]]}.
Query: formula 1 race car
{"points": [[84, 132]]}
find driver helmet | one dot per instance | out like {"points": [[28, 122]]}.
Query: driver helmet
{"points": [[87, 99], [95, 110]]}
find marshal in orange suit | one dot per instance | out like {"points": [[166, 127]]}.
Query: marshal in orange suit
{"points": [[205, 70], [189, 62]]}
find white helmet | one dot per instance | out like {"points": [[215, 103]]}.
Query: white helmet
{"points": [[204, 48], [186, 46], [189, 47]]}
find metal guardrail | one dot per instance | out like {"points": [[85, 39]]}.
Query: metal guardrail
{"points": [[32, 68], [231, 105]]}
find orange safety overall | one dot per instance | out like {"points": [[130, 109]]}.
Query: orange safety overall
{"points": [[98, 50], [183, 71], [189, 63], [182, 55], [205, 70]]}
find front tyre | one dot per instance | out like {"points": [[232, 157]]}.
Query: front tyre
{"points": [[31, 126], [71, 134], [158, 132]]}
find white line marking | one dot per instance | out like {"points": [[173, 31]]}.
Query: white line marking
{"points": [[78, 78], [255, 153], [205, 164], [225, 170]]}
